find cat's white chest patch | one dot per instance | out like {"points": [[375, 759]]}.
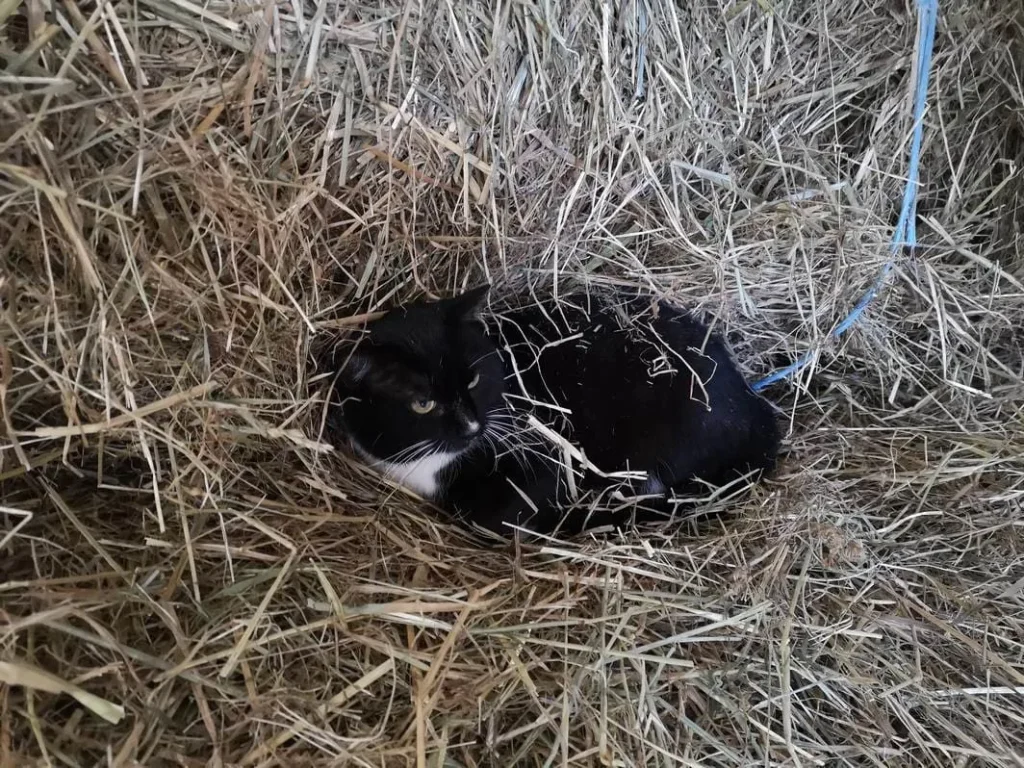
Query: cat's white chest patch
{"points": [[420, 476]]}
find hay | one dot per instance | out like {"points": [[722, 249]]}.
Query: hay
{"points": [[189, 191]]}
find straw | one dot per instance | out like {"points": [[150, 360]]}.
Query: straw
{"points": [[194, 197]]}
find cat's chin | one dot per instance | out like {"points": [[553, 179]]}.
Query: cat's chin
{"points": [[450, 450]]}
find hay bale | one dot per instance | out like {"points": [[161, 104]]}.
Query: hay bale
{"points": [[193, 194]]}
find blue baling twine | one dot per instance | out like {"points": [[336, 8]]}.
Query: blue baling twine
{"points": [[906, 228]]}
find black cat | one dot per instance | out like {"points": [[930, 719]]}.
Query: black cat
{"points": [[637, 396]]}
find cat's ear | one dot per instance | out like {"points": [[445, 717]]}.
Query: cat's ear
{"points": [[355, 367], [349, 365], [466, 307]]}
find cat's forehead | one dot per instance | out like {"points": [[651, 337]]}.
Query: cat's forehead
{"points": [[417, 335], [421, 359], [408, 316], [423, 331]]}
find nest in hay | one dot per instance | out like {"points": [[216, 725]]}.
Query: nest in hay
{"points": [[194, 194]]}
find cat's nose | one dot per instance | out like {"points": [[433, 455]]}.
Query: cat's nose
{"points": [[470, 427]]}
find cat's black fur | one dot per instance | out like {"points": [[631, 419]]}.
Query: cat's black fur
{"points": [[637, 385]]}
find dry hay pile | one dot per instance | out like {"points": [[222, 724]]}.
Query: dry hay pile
{"points": [[192, 195]]}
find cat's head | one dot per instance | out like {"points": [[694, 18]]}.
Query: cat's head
{"points": [[425, 374]]}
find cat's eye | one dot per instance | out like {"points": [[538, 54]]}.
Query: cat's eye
{"points": [[474, 381], [422, 406]]}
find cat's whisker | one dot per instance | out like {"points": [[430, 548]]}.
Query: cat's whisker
{"points": [[502, 429], [403, 455], [502, 417], [516, 450], [487, 441], [522, 436], [400, 455], [429, 451], [501, 452]]}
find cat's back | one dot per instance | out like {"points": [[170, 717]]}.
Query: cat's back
{"points": [[640, 384], [603, 343]]}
